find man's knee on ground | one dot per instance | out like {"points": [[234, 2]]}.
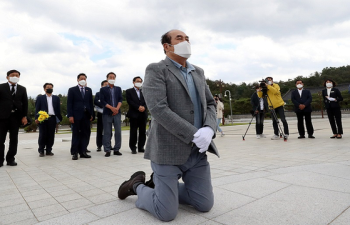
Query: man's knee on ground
{"points": [[205, 206], [167, 216]]}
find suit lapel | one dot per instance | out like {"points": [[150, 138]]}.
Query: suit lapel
{"points": [[199, 85], [46, 105], [174, 70]]}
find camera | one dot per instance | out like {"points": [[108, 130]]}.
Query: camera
{"points": [[262, 84]]}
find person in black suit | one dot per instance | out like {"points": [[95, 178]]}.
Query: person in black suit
{"points": [[111, 99], [138, 116], [13, 113], [52, 105], [99, 110], [332, 97], [302, 99], [260, 106], [80, 112]]}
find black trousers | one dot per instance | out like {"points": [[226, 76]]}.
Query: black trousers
{"points": [[140, 124], [80, 135], [259, 126], [47, 134], [334, 117], [308, 123], [280, 112], [10, 125], [99, 134]]}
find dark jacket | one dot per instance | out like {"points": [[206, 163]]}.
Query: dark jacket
{"points": [[76, 103], [20, 101], [335, 93], [97, 100], [255, 101], [305, 99], [105, 98], [41, 105], [134, 104]]}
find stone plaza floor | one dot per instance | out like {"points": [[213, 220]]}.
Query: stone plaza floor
{"points": [[256, 181]]}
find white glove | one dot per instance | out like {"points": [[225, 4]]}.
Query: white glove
{"points": [[202, 138], [331, 99]]}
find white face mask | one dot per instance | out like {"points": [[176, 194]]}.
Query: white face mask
{"points": [[300, 86], [82, 83], [138, 85], [329, 85], [183, 49], [14, 79], [270, 82], [111, 81]]}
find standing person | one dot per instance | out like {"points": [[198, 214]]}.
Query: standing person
{"points": [[219, 113], [183, 125], [276, 102], [52, 105], [332, 97], [111, 99], [80, 112], [260, 106], [99, 110], [302, 99], [13, 113], [138, 116]]}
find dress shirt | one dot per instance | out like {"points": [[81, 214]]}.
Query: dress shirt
{"points": [[137, 92], [11, 86], [329, 92], [51, 111], [300, 91], [111, 89], [261, 100], [81, 87]]}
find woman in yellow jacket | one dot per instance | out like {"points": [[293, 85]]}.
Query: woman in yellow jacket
{"points": [[275, 101]]}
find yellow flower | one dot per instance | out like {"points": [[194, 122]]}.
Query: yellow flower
{"points": [[41, 118]]}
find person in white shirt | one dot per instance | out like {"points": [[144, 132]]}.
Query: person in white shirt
{"points": [[219, 113], [51, 104]]}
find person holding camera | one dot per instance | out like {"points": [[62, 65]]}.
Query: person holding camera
{"points": [[275, 102], [259, 108], [219, 113]]}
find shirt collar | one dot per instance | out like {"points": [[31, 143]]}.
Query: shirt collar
{"points": [[11, 84], [80, 86], [189, 66], [136, 89]]}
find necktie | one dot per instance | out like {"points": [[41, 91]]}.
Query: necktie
{"points": [[13, 91], [82, 92]]}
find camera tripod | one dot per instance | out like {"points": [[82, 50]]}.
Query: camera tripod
{"points": [[274, 115]]}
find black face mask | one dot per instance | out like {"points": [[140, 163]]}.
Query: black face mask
{"points": [[49, 90]]}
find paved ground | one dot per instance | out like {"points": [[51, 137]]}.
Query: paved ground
{"points": [[255, 182]]}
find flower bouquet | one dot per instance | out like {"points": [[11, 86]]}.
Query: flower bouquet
{"points": [[42, 116]]}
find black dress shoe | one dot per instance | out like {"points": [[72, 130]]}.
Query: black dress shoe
{"points": [[339, 137], [127, 187], [141, 150], [333, 136], [150, 182], [99, 149], [117, 153], [75, 157], [108, 154], [49, 153], [84, 155], [87, 150], [41, 154], [311, 136], [133, 152], [300, 137], [13, 163]]}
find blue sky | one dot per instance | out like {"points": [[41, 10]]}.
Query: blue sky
{"points": [[235, 41]]}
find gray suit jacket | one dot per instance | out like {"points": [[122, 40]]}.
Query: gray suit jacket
{"points": [[167, 97]]}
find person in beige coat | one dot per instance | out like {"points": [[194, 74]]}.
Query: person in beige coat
{"points": [[219, 113]]}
